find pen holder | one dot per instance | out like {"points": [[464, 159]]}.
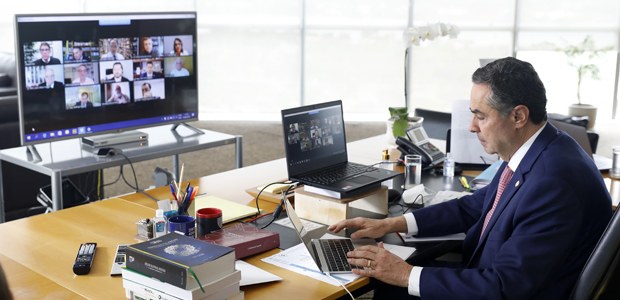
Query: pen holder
{"points": [[183, 224]]}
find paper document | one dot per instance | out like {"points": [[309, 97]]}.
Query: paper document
{"points": [[464, 145], [297, 259], [231, 211], [251, 274], [308, 225], [450, 237], [443, 196]]}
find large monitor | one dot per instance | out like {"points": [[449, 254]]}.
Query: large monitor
{"points": [[86, 74]]}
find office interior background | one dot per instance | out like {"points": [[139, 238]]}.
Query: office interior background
{"points": [[257, 57]]}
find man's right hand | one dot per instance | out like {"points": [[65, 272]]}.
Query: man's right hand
{"points": [[367, 228]]}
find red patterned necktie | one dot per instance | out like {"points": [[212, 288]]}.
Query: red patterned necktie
{"points": [[503, 181]]}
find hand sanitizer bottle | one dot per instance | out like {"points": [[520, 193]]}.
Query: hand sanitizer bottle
{"points": [[448, 165], [160, 224]]}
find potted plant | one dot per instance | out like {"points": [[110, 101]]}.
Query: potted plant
{"points": [[399, 122], [579, 57]]}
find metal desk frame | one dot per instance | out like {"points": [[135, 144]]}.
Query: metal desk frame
{"points": [[69, 157]]}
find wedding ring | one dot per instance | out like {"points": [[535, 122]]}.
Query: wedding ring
{"points": [[368, 266]]}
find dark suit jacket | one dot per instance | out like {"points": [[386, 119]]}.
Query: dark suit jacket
{"points": [[53, 61], [544, 228], [123, 79], [155, 75], [58, 86], [79, 104]]}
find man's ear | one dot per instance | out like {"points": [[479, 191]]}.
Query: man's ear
{"points": [[520, 115]]}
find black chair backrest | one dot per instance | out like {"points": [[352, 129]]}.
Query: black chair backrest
{"points": [[436, 123], [600, 277]]}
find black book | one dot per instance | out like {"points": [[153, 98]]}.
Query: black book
{"points": [[180, 260]]}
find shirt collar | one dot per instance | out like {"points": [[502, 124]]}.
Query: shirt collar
{"points": [[516, 158]]}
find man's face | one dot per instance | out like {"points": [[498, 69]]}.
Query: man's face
{"points": [[117, 70], [84, 98], [146, 91], [77, 54], [149, 68], [49, 76], [496, 133], [179, 65], [82, 72], [113, 46], [45, 51], [148, 45], [118, 89]]}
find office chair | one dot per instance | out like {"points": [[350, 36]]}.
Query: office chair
{"points": [[436, 123], [600, 277]]}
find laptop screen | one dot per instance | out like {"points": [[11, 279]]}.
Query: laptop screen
{"points": [[299, 228], [314, 137]]}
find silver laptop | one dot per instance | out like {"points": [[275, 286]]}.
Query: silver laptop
{"points": [[330, 255], [579, 134]]}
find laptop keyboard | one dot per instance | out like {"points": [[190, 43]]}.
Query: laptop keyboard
{"points": [[335, 251], [337, 173]]}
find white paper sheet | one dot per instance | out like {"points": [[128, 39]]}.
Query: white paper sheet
{"points": [[251, 274]]}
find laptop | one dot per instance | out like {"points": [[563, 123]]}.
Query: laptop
{"points": [[579, 134], [330, 255], [316, 151]]}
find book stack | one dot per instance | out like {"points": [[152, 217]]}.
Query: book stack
{"points": [[246, 239], [175, 266]]}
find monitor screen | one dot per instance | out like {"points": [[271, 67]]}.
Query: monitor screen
{"points": [[86, 74]]}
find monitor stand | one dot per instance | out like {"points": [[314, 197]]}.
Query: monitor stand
{"points": [[32, 154], [106, 140], [190, 127]]}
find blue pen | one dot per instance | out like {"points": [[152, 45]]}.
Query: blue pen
{"points": [[174, 193], [186, 199]]}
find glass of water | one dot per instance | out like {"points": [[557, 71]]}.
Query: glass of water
{"points": [[615, 167], [413, 170]]}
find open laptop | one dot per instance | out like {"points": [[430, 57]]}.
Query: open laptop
{"points": [[330, 255], [579, 134], [316, 151]]}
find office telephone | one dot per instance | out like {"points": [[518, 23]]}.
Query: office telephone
{"points": [[417, 142]]}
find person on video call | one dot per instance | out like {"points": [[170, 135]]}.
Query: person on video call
{"points": [[117, 96], [84, 101], [529, 232], [50, 81], [177, 49], [113, 53], [149, 73], [179, 70], [46, 56], [78, 54], [147, 47], [83, 78], [117, 73], [147, 92]]}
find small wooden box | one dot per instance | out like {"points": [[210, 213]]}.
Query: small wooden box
{"points": [[327, 210]]}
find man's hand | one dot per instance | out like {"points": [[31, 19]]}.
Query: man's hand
{"points": [[381, 264], [370, 228]]}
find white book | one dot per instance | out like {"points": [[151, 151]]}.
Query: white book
{"points": [[322, 192], [136, 291], [152, 285]]}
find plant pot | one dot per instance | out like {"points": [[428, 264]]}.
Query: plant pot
{"points": [[413, 122], [584, 110]]}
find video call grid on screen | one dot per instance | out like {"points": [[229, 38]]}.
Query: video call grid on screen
{"points": [[88, 70], [314, 135]]}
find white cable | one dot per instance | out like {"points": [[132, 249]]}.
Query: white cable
{"points": [[341, 284]]}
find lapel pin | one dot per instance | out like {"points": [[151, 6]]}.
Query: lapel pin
{"points": [[517, 183]]}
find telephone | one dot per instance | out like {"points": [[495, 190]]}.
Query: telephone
{"points": [[417, 142]]}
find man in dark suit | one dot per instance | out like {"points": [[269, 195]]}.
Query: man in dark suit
{"points": [[84, 101], [150, 73], [46, 56], [529, 232], [117, 73], [50, 82]]}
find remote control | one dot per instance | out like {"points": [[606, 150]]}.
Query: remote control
{"points": [[119, 260], [84, 258]]}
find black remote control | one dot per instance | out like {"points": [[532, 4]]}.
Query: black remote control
{"points": [[84, 258]]}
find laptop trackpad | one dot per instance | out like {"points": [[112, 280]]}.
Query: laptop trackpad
{"points": [[362, 179]]}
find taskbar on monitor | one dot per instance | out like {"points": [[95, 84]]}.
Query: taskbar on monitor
{"points": [[66, 133]]}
